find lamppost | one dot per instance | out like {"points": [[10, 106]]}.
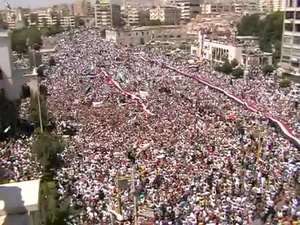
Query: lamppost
{"points": [[38, 87]]}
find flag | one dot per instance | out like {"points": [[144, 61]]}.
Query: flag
{"points": [[7, 5]]}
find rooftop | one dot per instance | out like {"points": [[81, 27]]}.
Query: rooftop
{"points": [[21, 197]]}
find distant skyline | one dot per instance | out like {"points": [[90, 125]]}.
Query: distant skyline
{"points": [[34, 3]]}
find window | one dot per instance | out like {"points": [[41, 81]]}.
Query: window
{"points": [[297, 15], [288, 27], [286, 51], [289, 15], [296, 40], [285, 57], [287, 39]]}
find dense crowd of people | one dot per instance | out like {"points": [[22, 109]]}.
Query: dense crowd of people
{"points": [[203, 158]]}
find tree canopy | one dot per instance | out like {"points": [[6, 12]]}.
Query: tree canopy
{"points": [[269, 29], [22, 38]]}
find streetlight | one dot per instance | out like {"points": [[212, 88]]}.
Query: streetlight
{"points": [[144, 147], [38, 89]]}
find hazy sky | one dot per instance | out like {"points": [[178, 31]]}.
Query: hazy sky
{"points": [[33, 3]]}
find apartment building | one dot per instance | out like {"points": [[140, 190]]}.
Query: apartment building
{"points": [[143, 35], [82, 8], [216, 8], [167, 15], [11, 79], [67, 21], [271, 5], [107, 14], [290, 52], [189, 8]]}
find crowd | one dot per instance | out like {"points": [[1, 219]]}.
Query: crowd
{"points": [[204, 159]]}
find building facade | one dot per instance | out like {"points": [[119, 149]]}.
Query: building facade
{"points": [[12, 80], [67, 21], [143, 35], [82, 8], [244, 49], [290, 52], [167, 15], [189, 8], [107, 15]]}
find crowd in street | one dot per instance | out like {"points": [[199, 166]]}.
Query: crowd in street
{"points": [[203, 158]]}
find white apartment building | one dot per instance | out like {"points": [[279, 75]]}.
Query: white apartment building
{"points": [[244, 49], [67, 21], [271, 5], [132, 15], [290, 52], [107, 14], [216, 8], [143, 35], [11, 80], [47, 18], [189, 8], [167, 15]]}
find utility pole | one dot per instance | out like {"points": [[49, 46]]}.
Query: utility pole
{"points": [[38, 90], [134, 196]]}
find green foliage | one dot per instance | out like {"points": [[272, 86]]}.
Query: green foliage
{"points": [[47, 149], [8, 114], [34, 111], [226, 67], [237, 73], [267, 69], [51, 30], [284, 83], [269, 29], [218, 68], [234, 63], [22, 38], [51, 61], [249, 25]]}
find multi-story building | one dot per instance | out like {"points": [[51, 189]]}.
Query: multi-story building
{"points": [[189, 8], [107, 15], [11, 79], [67, 21], [244, 49], [167, 15], [143, 35], [271, 5], [290, 52], [62, 10], [82, 8], [216, 8], [135, 16]]}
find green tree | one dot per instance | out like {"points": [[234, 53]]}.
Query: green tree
{"points": [[234, 63], [269, 29], [284, 83], [249, 25], [226, 67], [267, 69], [34, 111], [51, 61], [47, 149], [237, 73]]}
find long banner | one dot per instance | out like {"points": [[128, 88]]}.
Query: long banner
{"points": [[287, 131]]}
